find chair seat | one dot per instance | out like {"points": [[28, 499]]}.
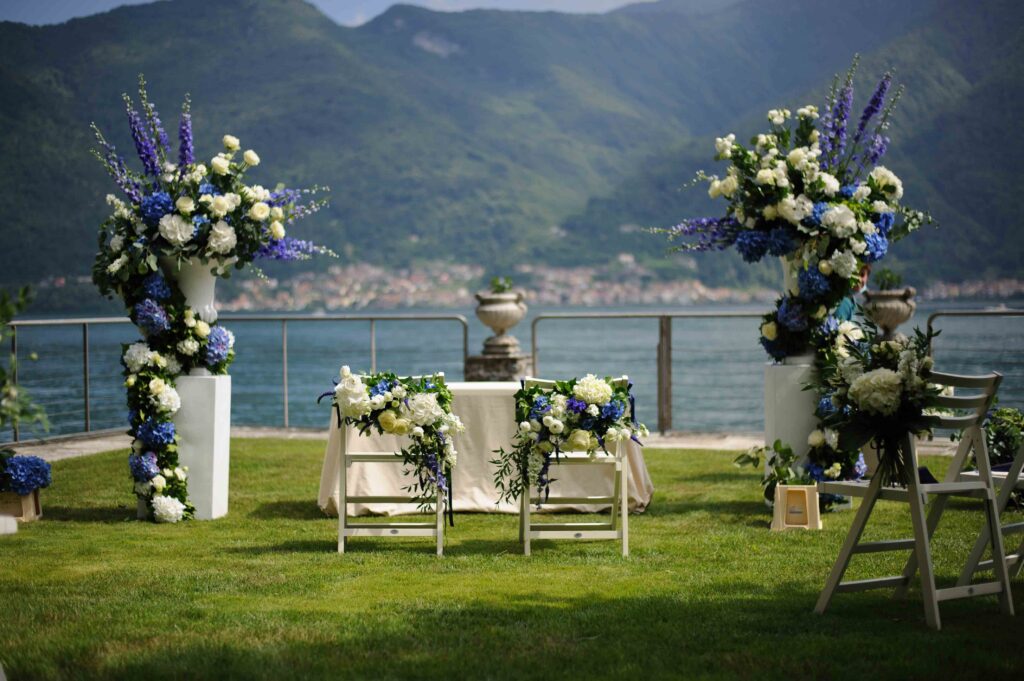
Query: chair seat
{"points": [[859, 488], [998, 476]]}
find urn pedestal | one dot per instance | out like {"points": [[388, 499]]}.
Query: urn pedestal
{"points": [[788, 408], [889, 309], [203, 425], [502, 359]]}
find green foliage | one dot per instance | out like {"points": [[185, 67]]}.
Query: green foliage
{"points": [[782, 468], [501, 284], [1005, 431], [16, 406], [887, 280]]}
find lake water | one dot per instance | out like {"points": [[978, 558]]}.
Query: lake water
{"points": [[716, 363]]}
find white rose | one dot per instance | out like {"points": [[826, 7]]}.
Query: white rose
{"points": [[157, 386], [222, 238], [377, 402], [230, 142], [723, 145], [251, 158], [158, 482], [185, 205], [524, 427], [220, 165], [423, 409], [276, 213], [277, 230], [861, 192], [891, 186], [417, 432], [259, 211], [729, 186], [557, 427], [176, 230], [816, 438], [179, 473], [770, 331], [234, 200], [535, 426], [202, 328], [831, 184], [765, 176], [116, 243], [220, 206], [167, 509], [715, 189]]}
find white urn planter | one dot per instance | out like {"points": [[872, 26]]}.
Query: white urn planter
{"points": [[889, 309], [203, 423], [500, 312]]}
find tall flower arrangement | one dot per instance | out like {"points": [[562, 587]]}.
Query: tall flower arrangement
{"points": [[809, 190], [178, 210]]}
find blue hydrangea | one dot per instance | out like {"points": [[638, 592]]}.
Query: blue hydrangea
{"points": [[825, 407], [791, 315], [773, 348], [382, 386], [155, 434], [151, 317], [780, 242], [829, 326], [812, 283], [752, 245], [541, 406], [155, 206], [575, 406], [219, 345], [884, 223], [23, 474], [156, 287], [814, 219], [815, 471], [847, 191], [207, 188], [877, 247], [613, 410], [197, 222], [143, 466], [588, 422]]}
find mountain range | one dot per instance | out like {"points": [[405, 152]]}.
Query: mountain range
{"points": [[506, 137]]}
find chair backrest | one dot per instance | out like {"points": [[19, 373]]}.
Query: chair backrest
{"points": [[985, 386], [436, 378]]}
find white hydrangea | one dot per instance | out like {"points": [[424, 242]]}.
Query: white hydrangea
{"points": [[175, 229], [592, 390], [878, 392], [167, 509], [831, 184], [849, 332], [137, 356], [222, 238], [793, 210], [844, 263], [880, 207], [861, 193], [840, 220], [423, 409], [168, 400], [891, 186]]}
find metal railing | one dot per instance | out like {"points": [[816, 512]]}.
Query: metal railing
{"points": [[87, 322], [664, 348]]}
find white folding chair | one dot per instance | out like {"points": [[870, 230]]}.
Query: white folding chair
{"points": [[618, 501], [346, 528], [1007, 482], [915, 494]]}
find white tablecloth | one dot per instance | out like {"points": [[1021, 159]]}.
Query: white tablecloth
{"points": [[488, 411]]}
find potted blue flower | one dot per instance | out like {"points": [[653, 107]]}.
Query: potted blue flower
{"points": [[21, 478]]}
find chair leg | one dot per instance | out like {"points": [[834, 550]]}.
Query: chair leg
{"points": [[525, 515], [439, 508], [846, 552], [624, 500], [342, 506], [994, 528], [922, 549]]}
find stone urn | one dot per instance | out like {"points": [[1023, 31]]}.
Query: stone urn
{"points": [[889, 309], [500, 312]]}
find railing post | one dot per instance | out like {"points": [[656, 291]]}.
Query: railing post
{"points": [[373, 346], [85, 373], [14, 370], [664, 374], [284, 366]]}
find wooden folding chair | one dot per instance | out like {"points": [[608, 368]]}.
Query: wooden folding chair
{"points": [[618, 501], [384, 529], [915, 494], [1007, 481]]}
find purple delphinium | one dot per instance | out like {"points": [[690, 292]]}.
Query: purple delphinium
{"points": [[156, 287], [218, 345], [834, 138], [151, 317], [283, 197], [884, 223], [156, 434], [155, 206], [24, 474], [713, 234], [575, 406], [874, 106], [791, 315], [752, 245], [860, 469], [812, 283], [143, 466], [186, 145], [144, 145], [117, 168], [780, 242], [877, 247], [287, 249], [877, 148]]}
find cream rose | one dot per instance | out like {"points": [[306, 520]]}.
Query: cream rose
{"points": [[259, 211], [220, 165], [202, 328], [277, 230], [231, 142], [251, 157], [185, 205]]}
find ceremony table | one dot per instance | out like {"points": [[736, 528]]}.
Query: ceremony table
{"points": [[488, 412]]}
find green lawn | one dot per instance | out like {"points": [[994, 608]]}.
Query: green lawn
{"points": [[708, 591]]}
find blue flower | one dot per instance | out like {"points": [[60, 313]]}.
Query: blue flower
{"points": [[825, 407], [877, 247], [575, 406], [382, 387], [860, 469], [829, 326], [773, 348], [218, 346], [812, 283], [23, 474], [155, 206], [791, 315], [541, 406], [613, 410], [155, 434], [752, 245], [815, 471], [588, 422], [207, 188], [884, 223], [780, 242], [143, 466], [156, 287], [847, 191], [186, 149], [151, 317]]}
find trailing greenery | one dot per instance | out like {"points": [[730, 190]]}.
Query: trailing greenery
{"points": [[782, 468], [707, 592]]}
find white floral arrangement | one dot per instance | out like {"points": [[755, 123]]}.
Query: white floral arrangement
{"points": [[417, 408], [579, 415]]}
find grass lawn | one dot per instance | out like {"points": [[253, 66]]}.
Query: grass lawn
{"points": [[708, 591]]}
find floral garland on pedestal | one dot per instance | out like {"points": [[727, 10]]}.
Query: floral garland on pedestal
{"points": [[174, 216], [417, 408], [578, 415]]}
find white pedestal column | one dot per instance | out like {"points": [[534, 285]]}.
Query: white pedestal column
{"points": [[204, 441], [788, 408]]}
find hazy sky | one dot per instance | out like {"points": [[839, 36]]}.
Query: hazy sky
{"points": [[350, 12]]}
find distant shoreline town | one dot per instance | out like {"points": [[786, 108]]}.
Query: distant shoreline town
{"points": [[443, 285]]}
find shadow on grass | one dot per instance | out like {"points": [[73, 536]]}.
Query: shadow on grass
{"points": [[326, 545], [291, 509], [89, 514], [742, 631]]}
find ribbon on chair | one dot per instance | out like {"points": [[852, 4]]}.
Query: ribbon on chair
{"points": [[450, 510]]}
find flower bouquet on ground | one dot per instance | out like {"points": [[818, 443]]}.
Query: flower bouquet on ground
{"points": [[179, 212], [22, 474], [878, 392], [810, 191], [417, 408], [579, 415]]}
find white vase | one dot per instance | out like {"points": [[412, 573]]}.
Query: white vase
{"points": [[198, 284], [790, 268]]}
